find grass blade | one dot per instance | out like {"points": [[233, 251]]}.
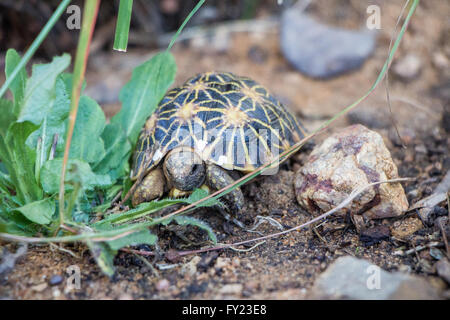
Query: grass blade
{"points": [[87, 29], [123, 25], [35, 45], [199, 4]]}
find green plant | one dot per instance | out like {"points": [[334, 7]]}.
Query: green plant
{"points": [[50, 127]]}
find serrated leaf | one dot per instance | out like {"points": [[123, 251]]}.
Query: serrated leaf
{"points": [[40, 90], [103, 255], [87, 144], [21, 164], [39, 212], [140, 96], [18, 85], [55, 120], [136, 238], [77, 171], [117, 151]]}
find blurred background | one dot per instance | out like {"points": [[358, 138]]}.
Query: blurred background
{"points": [[316, 56]]}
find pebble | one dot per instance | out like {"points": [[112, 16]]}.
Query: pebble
{"points": [[443, 269], [322, 51], [162, 285], [406, 227], [235, 288], [346, 161], [39, 287], [55, 280], [408, 67], [352, 278]]}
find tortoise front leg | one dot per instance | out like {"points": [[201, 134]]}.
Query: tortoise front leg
{"points": [[218, 178], [151, 187]]}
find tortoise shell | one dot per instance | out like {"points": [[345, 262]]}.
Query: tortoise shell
{"points": [[228, 120]]}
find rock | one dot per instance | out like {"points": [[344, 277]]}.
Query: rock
{"points": [[55, 280], [404, 228], [408, 67], [235, 288], [352, 278], [322, 51], [346, 161], [443, 269]]}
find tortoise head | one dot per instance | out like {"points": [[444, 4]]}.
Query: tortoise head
{"points": [[184, 169]]}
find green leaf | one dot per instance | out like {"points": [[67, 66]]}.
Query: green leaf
{"points": [[136, 238], [6, 119], [39, 212], [199, 194], [143, 209], [77, 172], [123, 25], [103, 255], [40, 90], [140, 96], [18, 85], [117, 151], [54, 120], [184, 221], [87, 144], [22, 160]]}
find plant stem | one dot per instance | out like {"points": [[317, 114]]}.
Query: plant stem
{"points": [[90, 13], [35, 45], [123, 25]]}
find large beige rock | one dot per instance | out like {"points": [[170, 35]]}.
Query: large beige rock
{"points": [[346, 161]]}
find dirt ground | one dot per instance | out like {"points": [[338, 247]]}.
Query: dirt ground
{"points": [[283, 267]]}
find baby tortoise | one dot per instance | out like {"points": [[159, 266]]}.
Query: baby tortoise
{"points": [[213, 124]]}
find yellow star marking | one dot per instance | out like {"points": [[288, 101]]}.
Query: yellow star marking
{"points": [[235, 117], [187, 111]]}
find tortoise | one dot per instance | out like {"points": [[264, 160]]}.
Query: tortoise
{"points": [[200, 133]]}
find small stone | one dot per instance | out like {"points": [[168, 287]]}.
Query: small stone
{"points": [[162, 285], [408, 67], [55, 280], [190, 268], [235, 288], [322, 51], [406, 227], [347, 161], [352, 278], [443, 269], [39, 287]]}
